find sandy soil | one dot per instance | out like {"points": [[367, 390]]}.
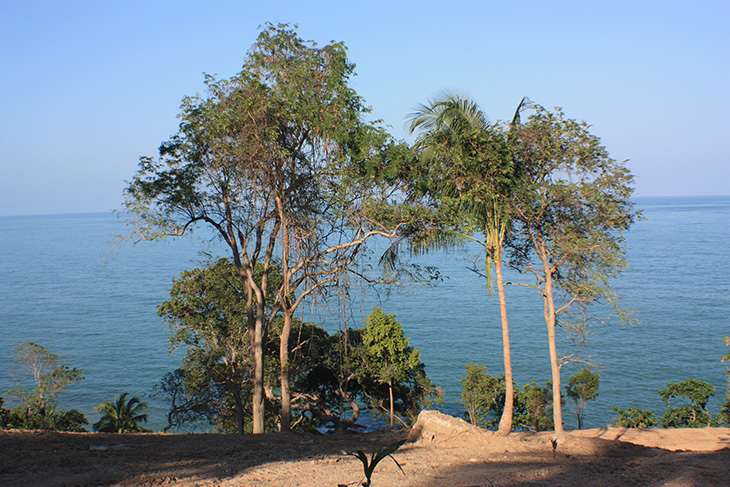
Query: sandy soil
{"points": [[442, 451]]}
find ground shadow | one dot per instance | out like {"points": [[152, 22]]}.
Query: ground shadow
{"points": [[54, 459], [618, 464]]}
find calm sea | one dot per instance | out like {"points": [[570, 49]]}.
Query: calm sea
{"points": [[66, 285]]}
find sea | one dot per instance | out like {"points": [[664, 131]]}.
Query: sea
{"points": [[69, 283]]}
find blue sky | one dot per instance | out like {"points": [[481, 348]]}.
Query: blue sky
{"points": [[88, 87]]}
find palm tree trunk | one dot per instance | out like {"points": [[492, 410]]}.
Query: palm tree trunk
{"points": [[505, 422]]}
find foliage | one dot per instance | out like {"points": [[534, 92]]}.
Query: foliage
{"points": [[390, 359], [483, 396], [694, 415], [570, 210], [336, 380], [50, 375], [467, 173], [207, 315], [634, 418], [121, 415], [187, 406], [723, 416], [330, 375], [51, 419], [537, 406], [480, 395], [582, 387], [278, 160], [368, 465]]}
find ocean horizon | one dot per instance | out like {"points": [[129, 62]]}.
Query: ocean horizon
{"points": [[64, 283]]}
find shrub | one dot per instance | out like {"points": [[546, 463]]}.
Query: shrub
{"points": [[634, 418], [694, 415]]}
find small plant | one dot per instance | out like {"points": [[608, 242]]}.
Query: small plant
{"points": [[582, 387], [554, 442], [121, 415], [368, 465]]}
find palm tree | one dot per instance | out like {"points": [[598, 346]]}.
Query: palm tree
{"points": [[471, 176], [121, 415]]}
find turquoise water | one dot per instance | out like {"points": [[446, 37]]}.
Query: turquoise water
{"points": [[66, 285]]}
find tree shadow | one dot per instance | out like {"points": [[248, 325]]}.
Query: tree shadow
{"points": [[616, 464], [50, 458]]}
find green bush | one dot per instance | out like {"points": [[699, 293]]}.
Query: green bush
{"points": [[34, 418], [634, 418], [693, 415], [483, 396]]}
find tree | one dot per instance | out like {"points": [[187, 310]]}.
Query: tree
{"points": [[469, 172], [121, 415], [279, 162], [187, 405], [634, 418], [330, 374], [582, 387], [50, 375], [694, 415], [570, 209], [43, 419], [537, 404], [481, 395], [207, 314], [335, 381], [390, 357]]}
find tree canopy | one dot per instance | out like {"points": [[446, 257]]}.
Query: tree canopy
{"points": [[280, 161], [570, 212]]}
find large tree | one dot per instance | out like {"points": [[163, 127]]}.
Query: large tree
{"points": [[279, 161], [468, 172], [569, 216]]}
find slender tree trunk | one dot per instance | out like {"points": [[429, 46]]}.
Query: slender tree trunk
{"points": [[505, 422], [549, 310], [284, 372], [257, 343], [579, 413], [239, 410], [392, 407], [286, 328]]}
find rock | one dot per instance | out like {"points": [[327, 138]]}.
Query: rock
{"points": [[432, 425]]}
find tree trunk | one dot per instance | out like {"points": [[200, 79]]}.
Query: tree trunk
{"points": [[505, 422], [239, 410], [392, 407], [258, 376], [549, 310], [284, 372]]}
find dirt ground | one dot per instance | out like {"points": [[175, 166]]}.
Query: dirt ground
{"points": [[441, 451]]}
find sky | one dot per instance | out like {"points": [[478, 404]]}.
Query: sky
{"points": [[88, 87]]}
